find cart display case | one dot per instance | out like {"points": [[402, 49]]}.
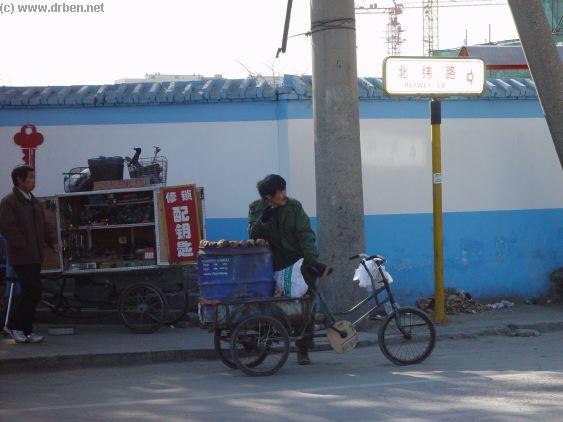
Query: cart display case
{"points": [[122, 238]]}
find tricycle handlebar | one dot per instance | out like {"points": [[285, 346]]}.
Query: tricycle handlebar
{"points": [[379, 259]]}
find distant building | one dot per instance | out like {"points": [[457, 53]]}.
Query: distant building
{"points": [[502, 61], [505, 59], [554, 12]]}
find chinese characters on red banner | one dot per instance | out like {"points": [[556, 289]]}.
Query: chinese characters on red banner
{"points": [[182, 222]]}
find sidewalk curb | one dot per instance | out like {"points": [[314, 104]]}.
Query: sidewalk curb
{"points": [[103, 359], [44, 363], [542, 327]]}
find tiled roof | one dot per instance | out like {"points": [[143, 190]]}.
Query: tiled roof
{"points": [[215, 90]]}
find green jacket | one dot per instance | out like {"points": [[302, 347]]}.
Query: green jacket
{"points": [[288, 232]]}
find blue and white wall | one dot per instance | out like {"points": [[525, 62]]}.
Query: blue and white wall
{"points": [[503, 185]]}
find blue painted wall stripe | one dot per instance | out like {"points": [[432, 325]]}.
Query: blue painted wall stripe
{"points": [[489, 254], [260, 111]]}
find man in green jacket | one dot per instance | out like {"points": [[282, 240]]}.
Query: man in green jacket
{"points": [[287, 228]]}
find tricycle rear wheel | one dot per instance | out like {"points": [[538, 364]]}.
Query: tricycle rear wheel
{"points": [[222, 343], [260, 345]]}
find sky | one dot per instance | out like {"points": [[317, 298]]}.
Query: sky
{"points": [[131, 38]]}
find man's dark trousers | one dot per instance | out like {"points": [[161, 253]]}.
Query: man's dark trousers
{"points": [[29, 277]]}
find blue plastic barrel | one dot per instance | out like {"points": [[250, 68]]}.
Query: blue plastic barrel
{"points": [[235, 273]]}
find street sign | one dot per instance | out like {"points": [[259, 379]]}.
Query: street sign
{"points": [[433, 76]]}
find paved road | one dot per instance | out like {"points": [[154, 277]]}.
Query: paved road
{"points": [[492, 378]]}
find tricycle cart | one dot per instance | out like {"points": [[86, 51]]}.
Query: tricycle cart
{"points": [[255, 335], [116, 253]]}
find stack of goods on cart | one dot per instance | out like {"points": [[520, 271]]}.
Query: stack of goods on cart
{"points": [[109, 230], [81, 179], [207, 244], [231, 270], [116, 209], [107, 173], [154, 169]]}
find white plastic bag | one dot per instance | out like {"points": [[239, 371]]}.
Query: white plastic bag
{"points": [[290, 281], [362, 276]]}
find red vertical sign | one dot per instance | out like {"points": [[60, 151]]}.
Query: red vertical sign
{"points": [[182, 222]]}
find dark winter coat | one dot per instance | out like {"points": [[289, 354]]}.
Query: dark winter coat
{"points": [[288, 232], [22, 223]]}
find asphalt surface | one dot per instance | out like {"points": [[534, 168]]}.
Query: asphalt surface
{"points": [[490, 378]]}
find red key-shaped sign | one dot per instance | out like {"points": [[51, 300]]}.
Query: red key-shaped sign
{"points": [[28, 140]]}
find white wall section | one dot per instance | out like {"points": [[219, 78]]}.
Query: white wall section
{"points": [[228, 158]]}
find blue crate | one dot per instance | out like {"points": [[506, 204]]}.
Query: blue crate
{"points": [[235, 273]]}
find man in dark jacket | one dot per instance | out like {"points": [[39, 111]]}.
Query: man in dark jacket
{"points": [[22, 223], [287, 228]]}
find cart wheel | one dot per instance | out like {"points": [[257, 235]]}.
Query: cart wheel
{"points": [[177, 307], [142, 308], [67, 311], [60, 306], [222, 343], [260, 345], [408, 337]]}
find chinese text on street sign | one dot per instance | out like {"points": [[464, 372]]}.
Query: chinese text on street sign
{"points": [[433, 76], [182, 222]]}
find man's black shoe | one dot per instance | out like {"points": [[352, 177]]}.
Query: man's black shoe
{"points": [[303, 358]]}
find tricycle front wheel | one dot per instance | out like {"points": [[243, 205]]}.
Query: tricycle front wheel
{"points": [[407, 336], [260, 345]]}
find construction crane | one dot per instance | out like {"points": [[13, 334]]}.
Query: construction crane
{"points": [[393, 37], [393, 30], [430, 33]]}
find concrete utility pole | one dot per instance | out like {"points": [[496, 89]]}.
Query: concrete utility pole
{"points": [[544, 63], [338, 161]]}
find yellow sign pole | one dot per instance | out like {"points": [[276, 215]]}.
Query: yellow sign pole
{"points": [[435, 78], [436, 121]]}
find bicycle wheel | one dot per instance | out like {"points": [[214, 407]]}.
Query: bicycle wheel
{"points": [[177, 307], [408, 337], [142, 308], [260, 346]]}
